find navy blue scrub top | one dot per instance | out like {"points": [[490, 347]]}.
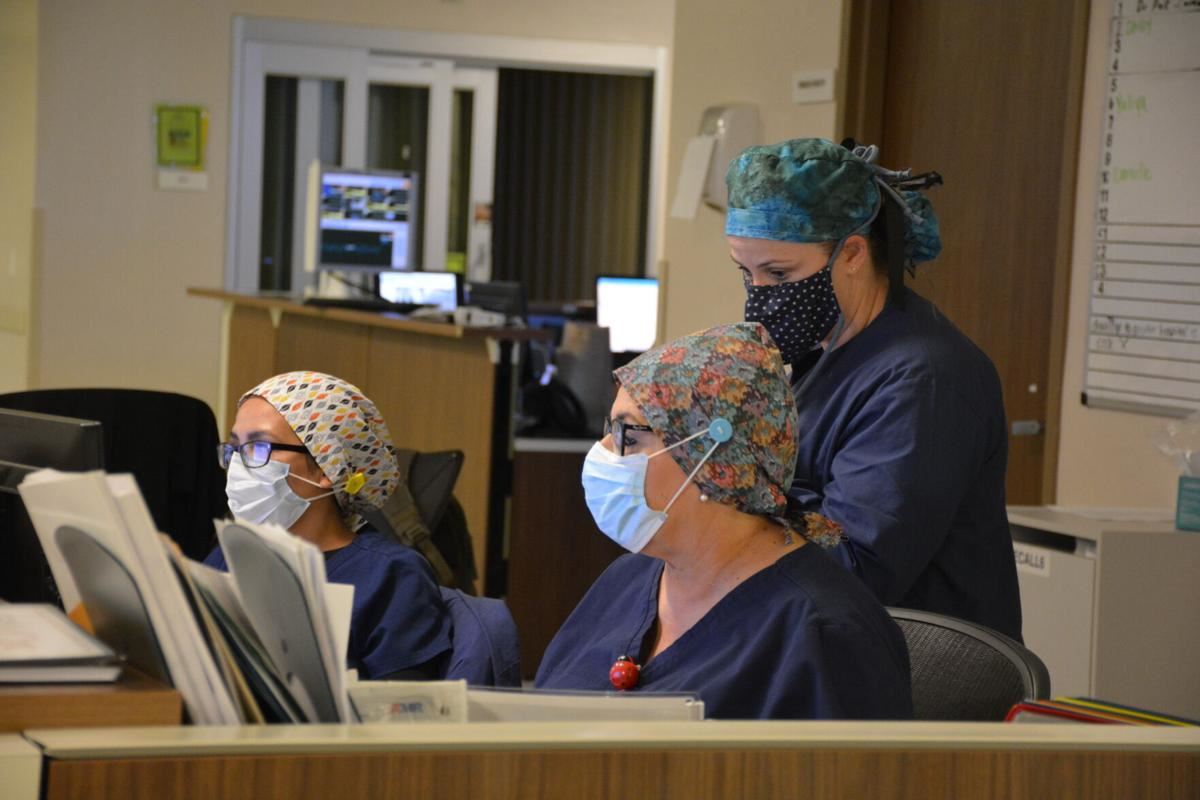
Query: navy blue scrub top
{"points": [[903, 442], [800, 639], [399, 620]]}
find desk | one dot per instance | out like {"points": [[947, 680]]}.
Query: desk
{"points": [[439, 386], [20, 768], [813, 760], [556, 552], [132, 699], [1112, 607]]}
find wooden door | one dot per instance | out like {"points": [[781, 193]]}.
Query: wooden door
{"points": [[987, 94]]}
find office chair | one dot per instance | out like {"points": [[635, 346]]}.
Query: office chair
{"points": [[423, 513], [965, 671], [485, 651], [167, 441]]}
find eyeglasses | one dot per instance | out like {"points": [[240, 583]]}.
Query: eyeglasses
{"points": [[254, 454], [618, 427]]}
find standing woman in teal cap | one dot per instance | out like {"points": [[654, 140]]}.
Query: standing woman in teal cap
{"points": [[902, 432]]}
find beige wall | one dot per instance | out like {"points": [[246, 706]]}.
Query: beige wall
{"points": [[117, 254], [1105, 458], [18, 147], [735, 52]]}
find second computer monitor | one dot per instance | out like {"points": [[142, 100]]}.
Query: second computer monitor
{"points": [[628, 307], [439, 289], [366, 220]]}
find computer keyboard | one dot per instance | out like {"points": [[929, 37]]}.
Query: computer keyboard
{"points": [[363, 304]]}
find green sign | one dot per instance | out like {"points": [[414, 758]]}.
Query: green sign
{"points": [[180, 136]]}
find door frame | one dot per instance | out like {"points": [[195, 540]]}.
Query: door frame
{"points": [[865, 26], [465, 50]]}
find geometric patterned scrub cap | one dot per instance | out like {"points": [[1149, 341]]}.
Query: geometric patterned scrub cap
{"points": [[343, 432], [812, 190], [732, 372]]}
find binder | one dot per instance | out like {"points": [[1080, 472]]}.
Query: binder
{"points": [[289, 620], [39, 644], [1088, 709]]}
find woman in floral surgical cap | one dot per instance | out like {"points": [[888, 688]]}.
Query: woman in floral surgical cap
{"points": [[307, 452], [724, 593]]}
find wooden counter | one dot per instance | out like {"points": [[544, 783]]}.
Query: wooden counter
{"points": [[132, 699], [812, 760], [439, 386]]}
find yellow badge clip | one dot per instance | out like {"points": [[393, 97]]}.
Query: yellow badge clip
{"points": [[355, 483]]}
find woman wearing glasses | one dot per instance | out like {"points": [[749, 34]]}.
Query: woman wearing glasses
{"points": [[723, 593], [307, 452]]}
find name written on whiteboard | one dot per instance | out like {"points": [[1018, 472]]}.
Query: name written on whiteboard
{"points": [[1136, 26], [1130, 102], [1139, 173], [1145, 329]]}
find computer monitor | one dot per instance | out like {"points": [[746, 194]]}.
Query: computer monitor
{"points": [[628, 307], [505, 297], [29, 442], [442, 290], [366, 220]]}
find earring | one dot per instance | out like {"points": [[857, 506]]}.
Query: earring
{"points": [[703, 498]]}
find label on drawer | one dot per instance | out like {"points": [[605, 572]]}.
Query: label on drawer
{"points": [[1033, 561]]}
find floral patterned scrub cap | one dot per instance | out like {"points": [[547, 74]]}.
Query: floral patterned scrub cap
{"points": [[732, 372], [342, 430]]}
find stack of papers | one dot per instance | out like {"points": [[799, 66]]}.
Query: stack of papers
{"points": [[265, 643], [1087, 709], [38, 644]]}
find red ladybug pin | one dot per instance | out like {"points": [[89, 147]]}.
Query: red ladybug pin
{"points": [[624, 674]]}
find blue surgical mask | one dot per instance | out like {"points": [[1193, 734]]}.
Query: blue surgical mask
{"points": [[615, 490]]}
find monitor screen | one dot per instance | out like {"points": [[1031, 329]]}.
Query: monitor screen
{"points": [[367, 220], [505, 297], [438, 289], [29, 442], [628, 307]]}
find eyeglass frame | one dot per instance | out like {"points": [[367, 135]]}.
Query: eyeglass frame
{"points": [[617, 427], [230, 448]]}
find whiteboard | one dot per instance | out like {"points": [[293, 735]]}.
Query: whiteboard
{"points": [[1143, 344]]}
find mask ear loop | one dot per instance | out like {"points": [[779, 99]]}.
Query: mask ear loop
{"points": [[721, 431], [352, 486]]}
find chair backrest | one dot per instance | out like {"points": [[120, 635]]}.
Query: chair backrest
{"points": [[965, 671], [167, 441], [485, 651]]}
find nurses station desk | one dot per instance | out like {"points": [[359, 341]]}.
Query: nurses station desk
{"points": [[692, 760], [438, 385]]}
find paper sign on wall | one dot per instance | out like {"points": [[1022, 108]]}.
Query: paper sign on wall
{"points": [[180, 141]]}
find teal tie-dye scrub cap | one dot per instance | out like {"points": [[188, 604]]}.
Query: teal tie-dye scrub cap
{"points": [[812, 190]]}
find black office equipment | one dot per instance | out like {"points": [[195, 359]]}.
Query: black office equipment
{"points": [[165, 440], [28, 442], [372, 304], [504, 297]]}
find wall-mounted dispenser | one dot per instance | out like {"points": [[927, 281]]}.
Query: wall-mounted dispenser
{"points": [[733, 127]]}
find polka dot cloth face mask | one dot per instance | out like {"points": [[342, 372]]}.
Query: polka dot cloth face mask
{"points": [[798, 315]]}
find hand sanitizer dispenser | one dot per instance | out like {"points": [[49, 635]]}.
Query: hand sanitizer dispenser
{"points": [[734, 127]]}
